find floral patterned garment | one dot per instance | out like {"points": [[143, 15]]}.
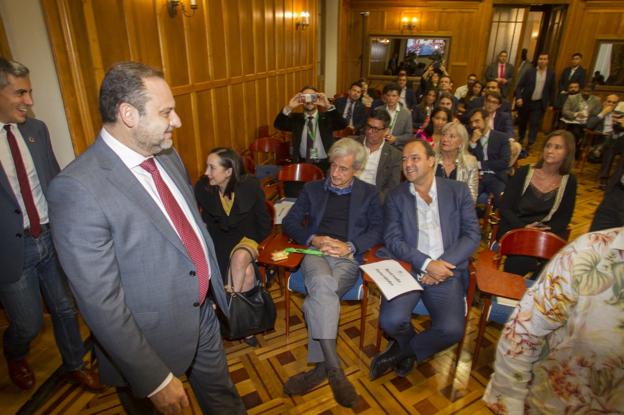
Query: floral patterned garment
{"points": [[562, 350]]}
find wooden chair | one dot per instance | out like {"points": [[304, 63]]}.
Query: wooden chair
{"points": [[420, 309], [493, 282], [270, 150], [299, 172], [249, 164], [345, 132], [263, 131], [590, 135]]}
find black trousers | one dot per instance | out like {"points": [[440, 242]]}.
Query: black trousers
{"points": [[531, 113], [612, 147]]}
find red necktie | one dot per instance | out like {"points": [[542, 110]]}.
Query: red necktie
{"points": [[185, 230], [24, 184], [501, 70]]}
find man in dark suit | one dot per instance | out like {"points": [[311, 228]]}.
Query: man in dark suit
{"points": [[535, 91], [383, 164], [30, 267], [430, 222], [407, 97], [610, 123], [138, 258], [501, 71], [344, 220], [312, 130], [492, 150], [498, 120], [573, 73], [351, 107], [490, 87]]}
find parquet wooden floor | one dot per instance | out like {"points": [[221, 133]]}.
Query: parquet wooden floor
{"points": [[433, 387]]}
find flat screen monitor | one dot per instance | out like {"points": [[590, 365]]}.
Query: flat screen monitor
{"points": [[425, 47]]}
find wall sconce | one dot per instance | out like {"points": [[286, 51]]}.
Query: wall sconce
{"points": [[302, 21], [409, 24], [172, 7]]}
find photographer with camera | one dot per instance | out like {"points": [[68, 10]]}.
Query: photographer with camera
{"points": [[312, 129]]}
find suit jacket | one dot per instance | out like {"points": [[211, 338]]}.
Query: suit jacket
{"points": [[479, 103], [578, 76], [389, 169], [410, 97], [402, 127], [503, 123], [458, 222], [526, 85], [131, 275], [491, 74], [574, 104], [365, 215], [328, 122], [359, 112], [248, 218], [11, 219], [498, 152]]}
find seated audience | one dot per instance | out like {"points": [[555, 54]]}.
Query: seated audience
{"points": [[422, 112], [541, 196], [430, 222], [574, 73], [351, 107], [407, 98], [400, 117], [577, 110], [561, 350], [431, 77], [312, 130], [610, 212], [453, 159], [501, 71], [344, 219], [383, 164], [446, 100], [473, 93], [479, 102], [445, 87], [233, 207], [491, 148], [498, 119], [433, 131], [611, 124], [368, 96], [463, 90]]}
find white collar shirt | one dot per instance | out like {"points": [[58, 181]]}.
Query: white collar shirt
{"points": [[369, 174], [429, 229], [540, 80]]}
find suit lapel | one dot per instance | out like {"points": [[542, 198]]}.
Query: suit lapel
{"points": [[383, 159], [354, 203], [410, 211], [445, 201]]}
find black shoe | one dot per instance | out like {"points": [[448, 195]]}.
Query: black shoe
{"points": [[343, 390], [386, 360], [251, 341], [405, 366], [303, 382]]}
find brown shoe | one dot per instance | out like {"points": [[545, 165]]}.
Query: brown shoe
{"points": [[343, 390], [21, 374], [303, 382], [87, 378]]}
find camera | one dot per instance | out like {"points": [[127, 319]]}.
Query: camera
{"points": [[308, 98]]}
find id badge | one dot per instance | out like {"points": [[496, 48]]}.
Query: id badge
{"points": [[314, 153]]}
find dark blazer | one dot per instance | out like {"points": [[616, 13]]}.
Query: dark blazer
{"points": [[365, 215], [503, 123], [359, 112], [491, 74], [511, 200], [499, 153], [37, 138], [418, 116], [128, 268], [480, 101], [248, 217], [388, 170], [458, 221], [526, 85], [578, 76], [610, 212], [328, 122], [410, 97]]}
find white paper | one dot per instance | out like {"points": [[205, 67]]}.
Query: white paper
{"points": [[391, 278], [281, 209]]}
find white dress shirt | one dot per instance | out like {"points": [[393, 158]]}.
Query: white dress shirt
{"points": [[7, 163], [430, 240], [369, 174], [540, 80]]}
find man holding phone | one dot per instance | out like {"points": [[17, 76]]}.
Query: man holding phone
{"points": [[312, 129], [610, 122]]}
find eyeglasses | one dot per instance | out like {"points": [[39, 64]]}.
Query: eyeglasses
{"points": [[374, 129]]}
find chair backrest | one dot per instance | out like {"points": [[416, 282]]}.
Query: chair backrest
{"points": [[249, 164], [300, 172], [271, 209], [531, 242], [263, 131], [269, 145], [345, 132]]}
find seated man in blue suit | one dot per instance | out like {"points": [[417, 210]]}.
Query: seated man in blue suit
{"points": [[344, 219], [351, 107], [498, 120], [492, 150], [431, 223]]}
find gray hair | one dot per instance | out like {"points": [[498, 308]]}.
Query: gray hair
{"points": [[9, 67], [465, 159], [348, 146]]}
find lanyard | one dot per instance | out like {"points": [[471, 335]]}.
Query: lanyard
{"points": [[312, 131], [394, 117]]}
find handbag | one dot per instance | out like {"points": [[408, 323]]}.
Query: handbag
{"points": [[250, 312]]}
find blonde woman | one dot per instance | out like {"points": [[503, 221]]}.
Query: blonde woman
{"points": [[453, 159]]}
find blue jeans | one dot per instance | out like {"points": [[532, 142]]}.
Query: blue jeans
{"points": [[22, 303], [445, 303]]}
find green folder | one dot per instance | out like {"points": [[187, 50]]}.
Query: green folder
{"points": [[304, 251]]}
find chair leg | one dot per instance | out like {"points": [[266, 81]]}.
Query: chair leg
{"points": [[363, 309], [286, 303], [482, 322]]}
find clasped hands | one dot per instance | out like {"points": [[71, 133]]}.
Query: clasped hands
{"points": [[438, 270], [330, 246]]}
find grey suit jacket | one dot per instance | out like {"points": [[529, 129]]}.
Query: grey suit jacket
{"points": [[128, 269], [402, 129], [573, 104], [389, 169], [37, 139]]}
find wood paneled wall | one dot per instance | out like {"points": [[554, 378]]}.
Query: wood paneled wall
{"points": [[468, 23], [231, 66]]}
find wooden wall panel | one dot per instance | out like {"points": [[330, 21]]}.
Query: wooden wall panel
{"points": [[232, 66]]}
